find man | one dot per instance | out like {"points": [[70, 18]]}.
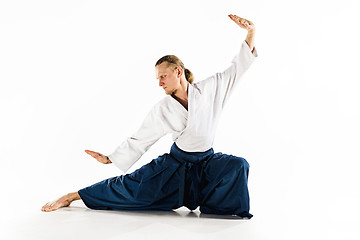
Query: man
{"points": [[191, 174]]}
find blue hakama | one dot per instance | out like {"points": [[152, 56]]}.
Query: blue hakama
{"points": [[216, 182]]}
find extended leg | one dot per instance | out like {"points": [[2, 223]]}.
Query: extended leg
{"points": [[155, 186]]}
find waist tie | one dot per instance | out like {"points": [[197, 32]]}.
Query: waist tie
{"points": [[190, 162]]}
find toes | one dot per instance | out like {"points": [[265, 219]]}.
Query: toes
{"points": [[47, 207], [44, 207], [52, 207]]}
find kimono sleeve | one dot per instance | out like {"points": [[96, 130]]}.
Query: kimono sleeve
{"points": [[135, 146], [226, 81]]}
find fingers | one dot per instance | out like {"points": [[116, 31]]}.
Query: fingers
{"points": [[242, 22], [236, 18], [99, 157], [94, 154], [91, 152]]}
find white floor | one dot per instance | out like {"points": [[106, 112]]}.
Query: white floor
{"points": [[79, 222]]}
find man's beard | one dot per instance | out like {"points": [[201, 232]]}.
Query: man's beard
{"points": [[171, 92]]}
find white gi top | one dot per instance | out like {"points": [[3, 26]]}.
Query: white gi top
{"points": [[193, 130]]}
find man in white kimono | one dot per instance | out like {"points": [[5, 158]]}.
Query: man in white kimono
{"points": [[191, 174]]}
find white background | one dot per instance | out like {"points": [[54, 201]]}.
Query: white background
{"points": [[78, 75]]}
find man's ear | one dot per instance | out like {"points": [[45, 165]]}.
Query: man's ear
{"points": [[179, 71]]}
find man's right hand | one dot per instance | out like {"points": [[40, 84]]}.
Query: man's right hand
{"points": [[99, 157]]}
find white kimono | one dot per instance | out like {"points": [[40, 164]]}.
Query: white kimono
{"points": [[193, 130]]}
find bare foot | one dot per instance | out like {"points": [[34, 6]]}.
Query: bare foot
{"points": [[64, 201]]}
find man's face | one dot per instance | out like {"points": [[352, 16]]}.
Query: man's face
{"points": [[167, 77]]}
